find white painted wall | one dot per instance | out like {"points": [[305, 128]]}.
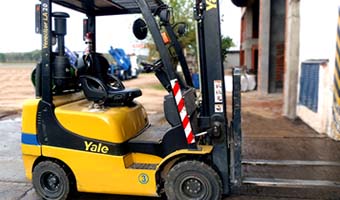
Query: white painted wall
{"points": [[318, 31], [232, 60]]}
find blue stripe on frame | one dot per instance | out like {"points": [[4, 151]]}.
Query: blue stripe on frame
{"points": [[29, 139]]}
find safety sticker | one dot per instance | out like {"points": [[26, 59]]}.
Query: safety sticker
{"points": [[218, 91], [218, 108]]}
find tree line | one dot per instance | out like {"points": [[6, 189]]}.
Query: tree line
{"points": [[32, 56]]}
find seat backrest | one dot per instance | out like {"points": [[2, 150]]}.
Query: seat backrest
{"points": [[94, 89], [98, 66], [97, 84]]}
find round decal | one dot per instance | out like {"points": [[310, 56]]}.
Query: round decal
{"points": [[143, 178]]}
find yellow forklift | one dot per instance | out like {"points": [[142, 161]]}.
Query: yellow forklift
{"points": [[85, 132]]}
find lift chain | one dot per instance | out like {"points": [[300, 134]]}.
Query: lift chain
{"points": [[199, 9]]}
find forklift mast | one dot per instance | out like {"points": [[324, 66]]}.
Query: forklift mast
{"points": [[213, 106]]}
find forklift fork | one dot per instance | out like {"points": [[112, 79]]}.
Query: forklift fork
{"points": [[236, 161]]}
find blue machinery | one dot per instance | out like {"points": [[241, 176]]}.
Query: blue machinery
{"points": [[122, 69]]}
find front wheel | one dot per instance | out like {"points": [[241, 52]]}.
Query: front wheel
{"points": [[51, 181], [191, 180]]}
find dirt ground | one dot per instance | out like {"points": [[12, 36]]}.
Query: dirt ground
{"points": [[15, 87], [258, 111], [266, 134]]}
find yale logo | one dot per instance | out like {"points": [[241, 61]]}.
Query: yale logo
{"points": [[96, 148], [211, 4]]}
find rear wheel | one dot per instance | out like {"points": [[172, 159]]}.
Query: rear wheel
{"points": [[191, 180], [51, 181]]}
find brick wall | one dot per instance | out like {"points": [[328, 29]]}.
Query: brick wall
{"points": [[242, 59], [280, 63], [254, 58]]}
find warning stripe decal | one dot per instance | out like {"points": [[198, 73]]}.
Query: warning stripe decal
{"points": [[337, 66], [180, 102], [335, 126]]}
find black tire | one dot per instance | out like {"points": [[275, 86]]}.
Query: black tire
{"points": [[51, 181], [191, 180], [126, 75]]}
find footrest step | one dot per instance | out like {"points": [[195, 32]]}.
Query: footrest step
{"points": [[143, 166]]}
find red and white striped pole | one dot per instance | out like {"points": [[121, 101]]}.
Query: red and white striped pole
{"points": [[176, 89]]}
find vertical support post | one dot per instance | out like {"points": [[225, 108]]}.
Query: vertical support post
{"points": [[38, 73], [291, 58], [213, 86], [91, 27], [264, 47], [248, 42], [335, 125], [212, 64], [46, 25], [236, 128]]}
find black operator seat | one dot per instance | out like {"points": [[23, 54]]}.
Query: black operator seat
{"points": [[101, 87]]}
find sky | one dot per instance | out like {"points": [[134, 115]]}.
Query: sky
{"points": [[18, 27], [318, 27]]}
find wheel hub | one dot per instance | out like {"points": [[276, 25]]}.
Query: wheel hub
{"points": [[51, 182], [193, 187]]}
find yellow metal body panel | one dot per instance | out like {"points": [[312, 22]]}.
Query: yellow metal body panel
{"points": [[29, 114], [115, 124], [30, 152], [31, 149], [101, 173], [28, 164]]}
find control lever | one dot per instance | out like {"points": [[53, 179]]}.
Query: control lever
{"points": [[151, 67]]}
